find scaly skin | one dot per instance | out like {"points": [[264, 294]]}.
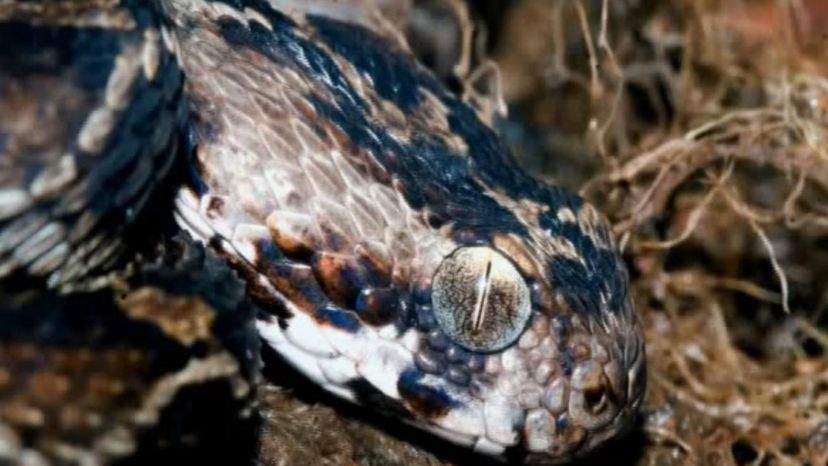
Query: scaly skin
{"points": [[337, 174], [399, 256]]}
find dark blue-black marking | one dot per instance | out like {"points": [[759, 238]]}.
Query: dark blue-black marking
{"points": [[430, 172], [397, 78], [339, 318], [85, 56], [424, 399], [584, 283]]}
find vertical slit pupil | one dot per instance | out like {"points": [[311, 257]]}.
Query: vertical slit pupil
{"points": [[482, 301]]}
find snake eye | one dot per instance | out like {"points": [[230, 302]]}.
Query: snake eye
{"points": [[480, 300]]}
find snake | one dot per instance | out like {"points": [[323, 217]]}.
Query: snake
{"points": [[395, 253]]}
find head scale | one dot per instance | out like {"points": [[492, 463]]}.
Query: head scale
{"points": [[549, 319]]}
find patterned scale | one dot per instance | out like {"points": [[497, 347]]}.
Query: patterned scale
{"points": [[90, 110], [162, 368], [339, 177], [398, 256]]}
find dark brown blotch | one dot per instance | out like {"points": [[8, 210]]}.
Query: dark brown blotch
{"points": [[377, 306], [341, 277], [428, 402], [297, 283], [293, 234], [50, 384], [215, 207], [377, 264]]}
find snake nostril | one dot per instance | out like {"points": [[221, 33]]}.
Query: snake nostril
{"points": [[596, 400]]}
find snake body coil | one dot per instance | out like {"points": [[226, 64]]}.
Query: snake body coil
{"points": [[395, 250]]}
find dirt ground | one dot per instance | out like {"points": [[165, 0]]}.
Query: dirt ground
{"points": [[699, 128]]}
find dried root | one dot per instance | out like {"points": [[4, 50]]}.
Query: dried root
{"points": [[709, 124]]}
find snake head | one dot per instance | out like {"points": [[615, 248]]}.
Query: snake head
{"points": [[400, 257], [544, 327]]}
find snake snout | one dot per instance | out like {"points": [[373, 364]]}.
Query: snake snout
{"points": [[575, 388]]}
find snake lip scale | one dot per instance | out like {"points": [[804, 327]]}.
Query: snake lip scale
{"points": [[393, 248]]}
